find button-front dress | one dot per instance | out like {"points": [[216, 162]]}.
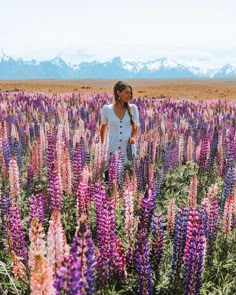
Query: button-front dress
{"points": [[119, 130]]}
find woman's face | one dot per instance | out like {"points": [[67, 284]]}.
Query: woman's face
{"points": [[125, 95]]}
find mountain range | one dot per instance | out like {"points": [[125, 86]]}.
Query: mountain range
{"points": [[57, 68]]}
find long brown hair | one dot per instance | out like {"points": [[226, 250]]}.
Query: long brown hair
{"points": [[120, 86]]}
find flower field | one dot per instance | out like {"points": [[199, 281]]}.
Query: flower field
{"points": [[167, 225]]}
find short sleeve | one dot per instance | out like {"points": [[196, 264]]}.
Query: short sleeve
{"points": [[136, 114], [104, 119]]}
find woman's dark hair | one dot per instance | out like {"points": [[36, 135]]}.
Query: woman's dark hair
{"points": [[120, 86]]}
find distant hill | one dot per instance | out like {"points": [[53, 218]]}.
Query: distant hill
{"points": [[57, 68]]}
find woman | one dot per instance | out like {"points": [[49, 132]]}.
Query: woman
{"points": [[121, 120]]}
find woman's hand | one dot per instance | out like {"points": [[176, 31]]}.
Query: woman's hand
{"points": [[131, 140]]}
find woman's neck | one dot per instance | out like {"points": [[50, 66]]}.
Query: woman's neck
{"points": [[120, 104]]}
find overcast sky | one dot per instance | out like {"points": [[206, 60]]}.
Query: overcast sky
{"points": [[192, 31]]}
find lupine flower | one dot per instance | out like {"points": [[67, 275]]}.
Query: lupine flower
{"points": [[37, 243], [41, 280], [77, 273], [180, 233], [227, 216], [14, 178], [129, 214], [54, 191], [157, 241], [194, 254], [55, 241], [143, 265], [36, 208], [16, 233], [18, 267]]}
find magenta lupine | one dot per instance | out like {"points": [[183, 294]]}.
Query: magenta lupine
{"points": [[16, 233], [194, 254], [83, 202], [77, 273], [54, 192]]}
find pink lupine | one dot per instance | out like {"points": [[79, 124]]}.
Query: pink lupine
{"points": [[192, 196], [14, 178], [56, 245], [190, 148], [37, 242], [41, 280], [66, 172], [227, 216], [171, 216], [129, 214], [18, 267]]}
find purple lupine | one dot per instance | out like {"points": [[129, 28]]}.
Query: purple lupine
{"points": [[30, 177], [5, 204], [194, 254], [203, 153], [54, 191], [157, 241], [6, 152], [143, 265], [179, 241], [213, 149], [146, 211], [77, 272], [16, 233], [229, 183], [50, 151], [36, 208]]}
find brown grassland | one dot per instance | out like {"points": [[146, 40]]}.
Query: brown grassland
{"points": [[159, 88]]}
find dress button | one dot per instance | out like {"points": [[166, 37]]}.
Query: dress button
{"points": [[119, 147], [120, 121], [120, 132], [120, 126], [120, 140]]}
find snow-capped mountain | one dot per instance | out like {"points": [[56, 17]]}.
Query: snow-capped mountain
{"points": [[57, 68]]}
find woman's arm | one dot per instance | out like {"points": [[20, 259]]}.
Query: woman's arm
{"points": [[103, 132], [134, 135]]}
